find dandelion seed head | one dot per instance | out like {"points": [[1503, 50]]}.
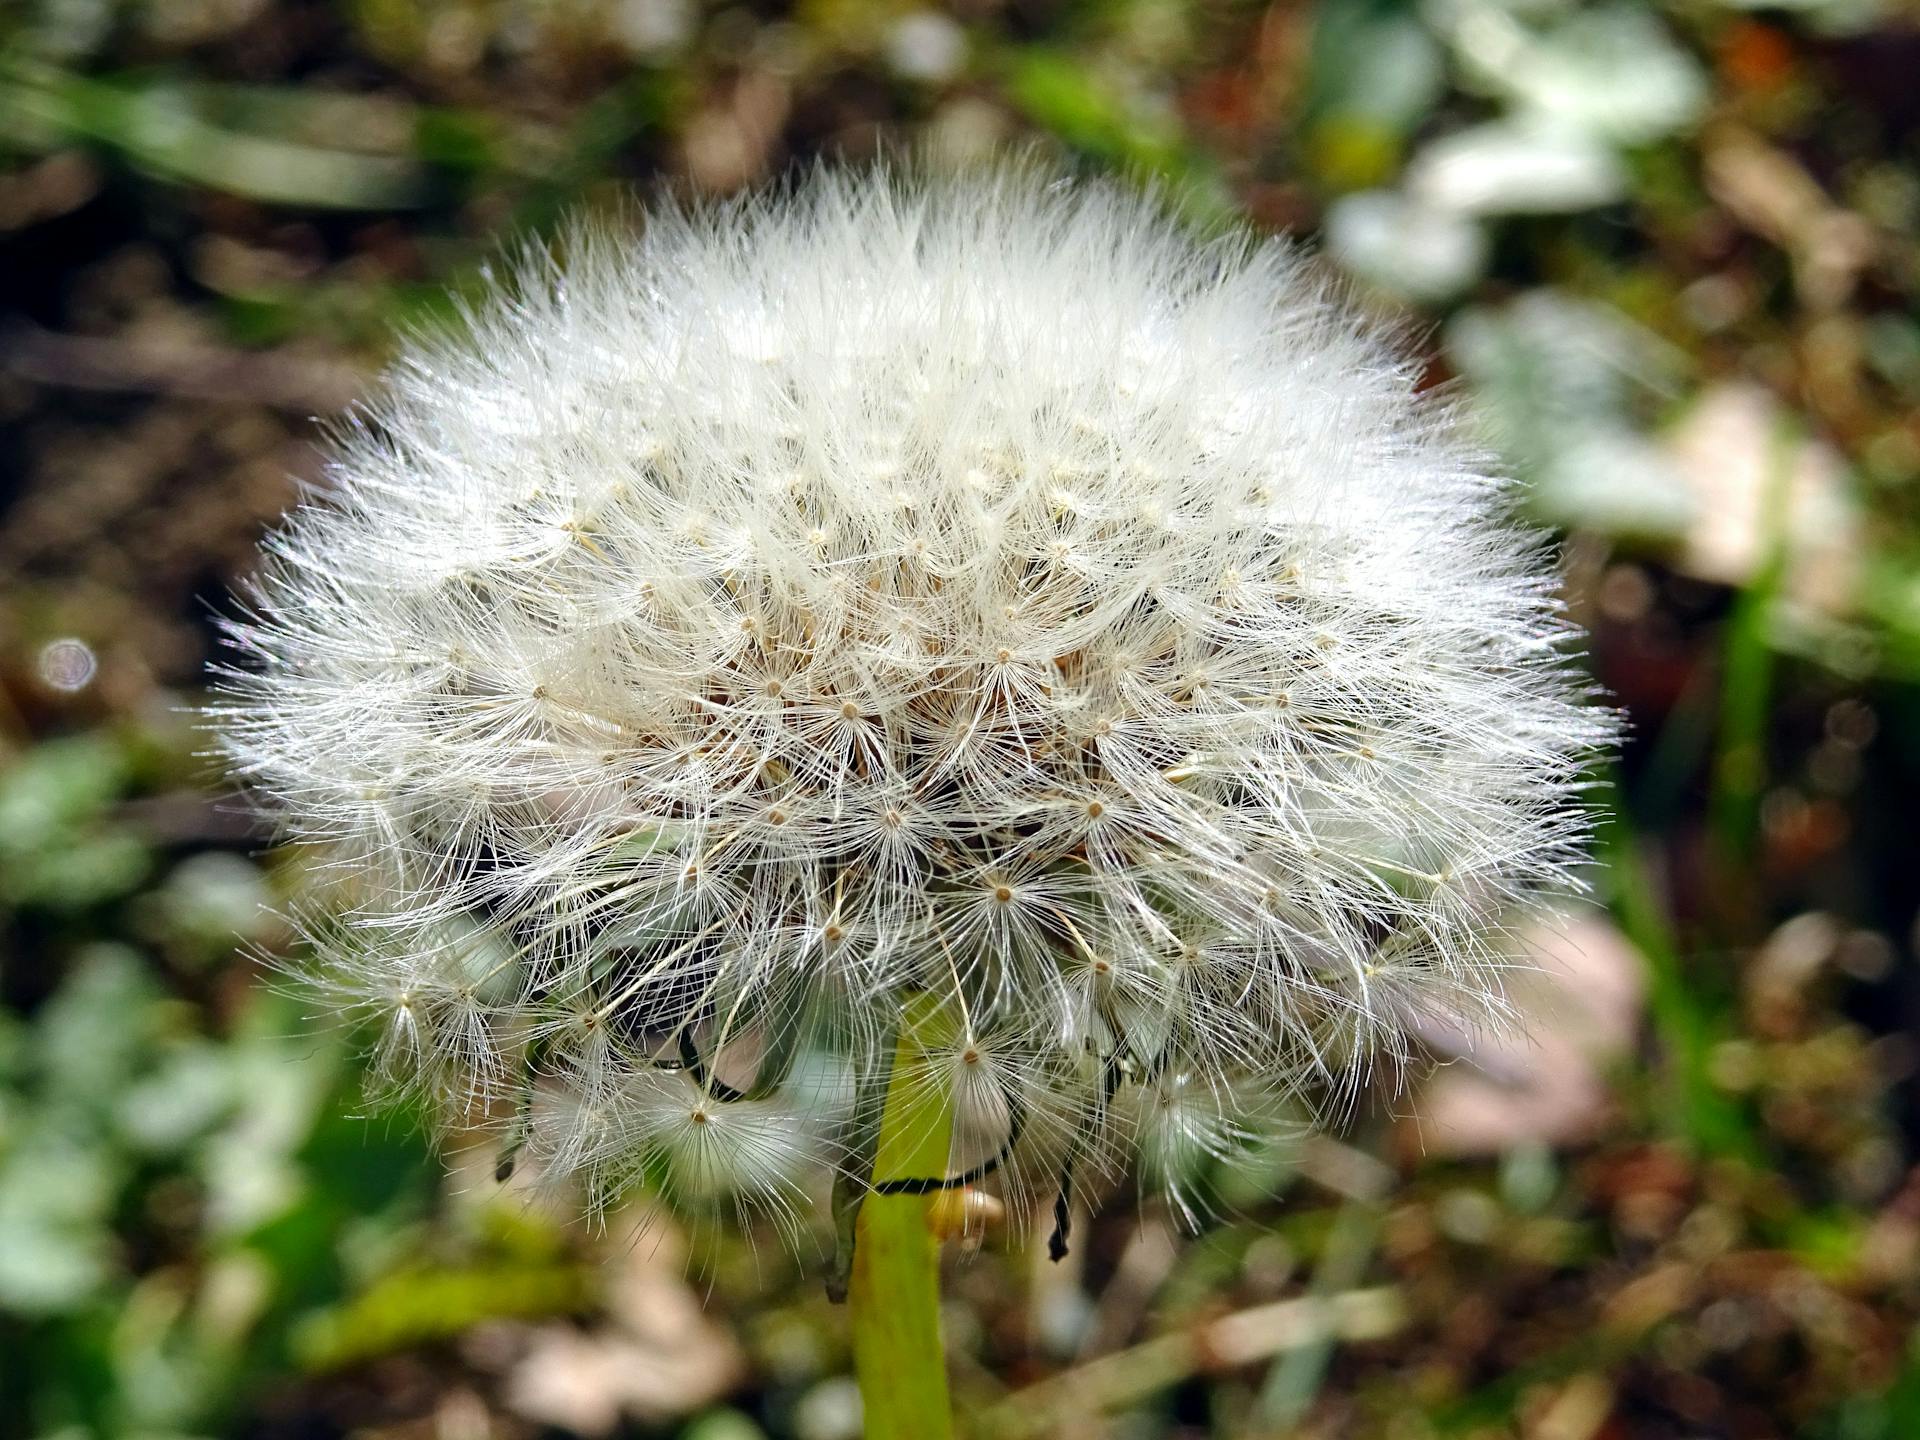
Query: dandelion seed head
{"points": [[980, 588]]}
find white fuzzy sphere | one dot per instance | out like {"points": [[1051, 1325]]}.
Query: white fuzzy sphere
{"points": [[979, 588]]}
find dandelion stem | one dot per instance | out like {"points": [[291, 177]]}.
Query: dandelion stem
{"points": [[894, 1294]]}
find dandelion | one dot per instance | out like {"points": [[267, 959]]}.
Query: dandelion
{"points": [[1052, 666]]}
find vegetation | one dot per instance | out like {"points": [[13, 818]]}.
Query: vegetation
{"points": [[1668, 249]]}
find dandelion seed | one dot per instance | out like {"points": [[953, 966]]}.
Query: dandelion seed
{"points": [[976, 589]]}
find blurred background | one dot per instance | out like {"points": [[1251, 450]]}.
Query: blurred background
{"points": [[1669, 249]]}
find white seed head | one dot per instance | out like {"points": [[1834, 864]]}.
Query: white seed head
{"points": [[975, 587]]}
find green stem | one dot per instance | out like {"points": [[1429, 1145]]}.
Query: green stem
{"points": [[1740, 768], [894, 1293]]}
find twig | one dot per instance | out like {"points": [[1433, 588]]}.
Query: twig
{"points": [[305, 384], [1242, 1338]]}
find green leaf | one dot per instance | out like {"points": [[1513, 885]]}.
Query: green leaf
{"points": [[160, 127]]}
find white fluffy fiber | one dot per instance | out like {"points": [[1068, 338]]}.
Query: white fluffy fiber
{"points": [[979, 587]]}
